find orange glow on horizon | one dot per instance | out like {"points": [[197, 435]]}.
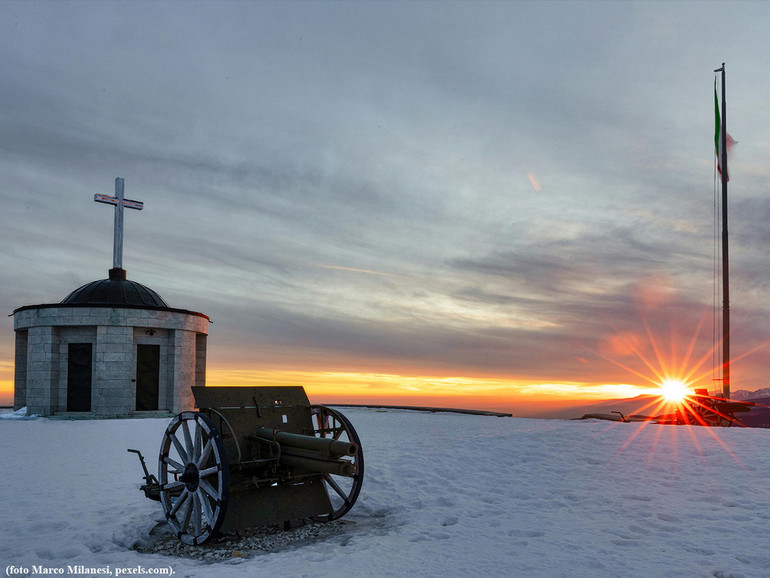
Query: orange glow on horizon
{"points": [[361, 387], [386, 388], [6, 392], [6, 381], [395, 389]]}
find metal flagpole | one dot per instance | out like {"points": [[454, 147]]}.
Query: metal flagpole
{"points": [[725, 252]]}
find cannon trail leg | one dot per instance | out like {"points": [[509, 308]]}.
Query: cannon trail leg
{"points": [[343, 490], [194, 477]]}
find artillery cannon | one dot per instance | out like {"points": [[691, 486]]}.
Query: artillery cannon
{"points": [[251, 456]]}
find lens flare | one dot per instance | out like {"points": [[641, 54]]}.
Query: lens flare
{"points": [[674, 390]]}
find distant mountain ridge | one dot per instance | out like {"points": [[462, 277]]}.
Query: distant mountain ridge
{"points": [[643, 404], [759, 416], [743, 394]]}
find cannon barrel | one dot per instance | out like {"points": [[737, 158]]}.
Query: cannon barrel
{"points": [[337, 467], [324, 447]]}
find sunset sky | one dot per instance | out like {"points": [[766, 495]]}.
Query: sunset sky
{"points": [[476, 204]]}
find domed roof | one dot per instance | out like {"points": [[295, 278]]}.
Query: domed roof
{"points": [[116, 290]]}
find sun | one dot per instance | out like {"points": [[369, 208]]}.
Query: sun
{"points": [[674, 390]]}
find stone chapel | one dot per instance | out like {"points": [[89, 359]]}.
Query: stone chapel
{"points": [[111, 348]]}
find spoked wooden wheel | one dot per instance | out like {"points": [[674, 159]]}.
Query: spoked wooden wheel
{"points": [[194, 477], [343, 490]]}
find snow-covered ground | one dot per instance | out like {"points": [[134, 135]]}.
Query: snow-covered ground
{"points": [[444, 495]]}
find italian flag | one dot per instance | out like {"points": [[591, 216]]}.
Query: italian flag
{"points": [[718, 134]]}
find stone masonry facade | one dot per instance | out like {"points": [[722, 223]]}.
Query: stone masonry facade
{"points": [[43, 334]]}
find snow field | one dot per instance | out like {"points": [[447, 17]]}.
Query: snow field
{"points": [[444, 494]]}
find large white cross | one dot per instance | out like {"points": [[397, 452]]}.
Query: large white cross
{"points": [[119, 202]]}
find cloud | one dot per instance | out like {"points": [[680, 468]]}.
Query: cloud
{"points": [[393, 139]]}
